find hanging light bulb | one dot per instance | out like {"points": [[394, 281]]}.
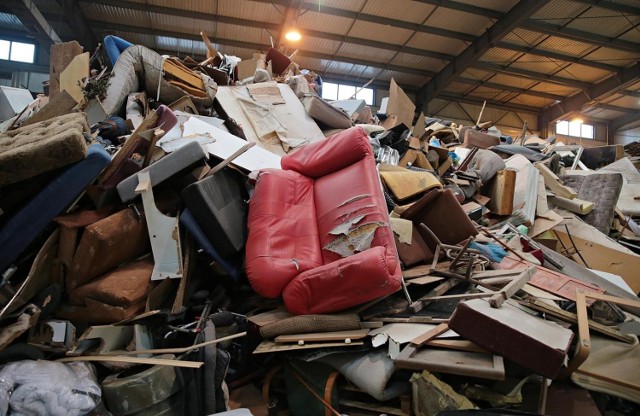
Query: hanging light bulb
{"points": [[293, 34]]}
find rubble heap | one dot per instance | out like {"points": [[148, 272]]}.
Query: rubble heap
{"points": [[183, 237]]}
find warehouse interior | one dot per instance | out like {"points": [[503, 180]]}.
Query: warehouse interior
{"points": [[504, 136]]}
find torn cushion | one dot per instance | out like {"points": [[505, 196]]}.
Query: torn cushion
{"points": [[603, 189], [42, 147]]}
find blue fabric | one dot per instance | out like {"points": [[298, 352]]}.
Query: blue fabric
{"points": [[114, 47], [492, 251], [31, 221], [189, 222]]}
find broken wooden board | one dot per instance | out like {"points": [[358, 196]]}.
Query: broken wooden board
{"points": [[61, 54], [549, 280], [554, 183], [62, 104], [463, 363], [601, 257], [73, 76]]}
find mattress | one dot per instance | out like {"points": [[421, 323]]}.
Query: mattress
{"points": [[42, 147]]}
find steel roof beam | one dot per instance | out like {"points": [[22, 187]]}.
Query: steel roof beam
{"points": [[598, 91], [581, 36], [630, 93], [463, 7], [33, 20], [470, 56]]}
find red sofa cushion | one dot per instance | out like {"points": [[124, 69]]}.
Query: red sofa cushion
{"points": [[283, 237]]}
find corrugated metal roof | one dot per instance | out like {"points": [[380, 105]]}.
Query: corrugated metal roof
{"points": [[182, 24], [555, 89], [350, 50], [478, 74], [459, 87], [324, 23], [633, 35], [311, 43], [420, 62], [242, 33], [437, 43], [251, 10], [407, 11], [614, 56], [195, 5], [531, 100], [626, 101], [559, 12], [408, 79], [10, 21], [565, 46], [113, 14], [524, 37], [459, 21], [584, 73], [379, 32], [500, 56], [604, 22], [499, 5], [543, 67], [511, 81], [353, 5], [484, 93]]}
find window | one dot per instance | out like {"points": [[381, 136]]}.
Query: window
{"points": [[17, 51], [575, 129], [332, 91]]}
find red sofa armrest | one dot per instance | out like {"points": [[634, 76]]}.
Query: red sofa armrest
{"points": [[344, 283], [330, 155]]}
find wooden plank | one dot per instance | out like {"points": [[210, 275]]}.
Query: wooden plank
{"points": [[456, 344], [62, 104], [133, 360], [510, 289], [573, 318], [179, 350], [554, 183], [429, 335], [501, 192], [174, 68]]}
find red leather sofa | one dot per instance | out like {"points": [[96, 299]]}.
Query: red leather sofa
{"points": [[299, 218]]}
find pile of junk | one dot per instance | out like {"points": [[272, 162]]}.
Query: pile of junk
{"points": [[195, 238]]}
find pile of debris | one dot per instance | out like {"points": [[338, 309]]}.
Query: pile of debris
{"points": [[182, 237]]}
